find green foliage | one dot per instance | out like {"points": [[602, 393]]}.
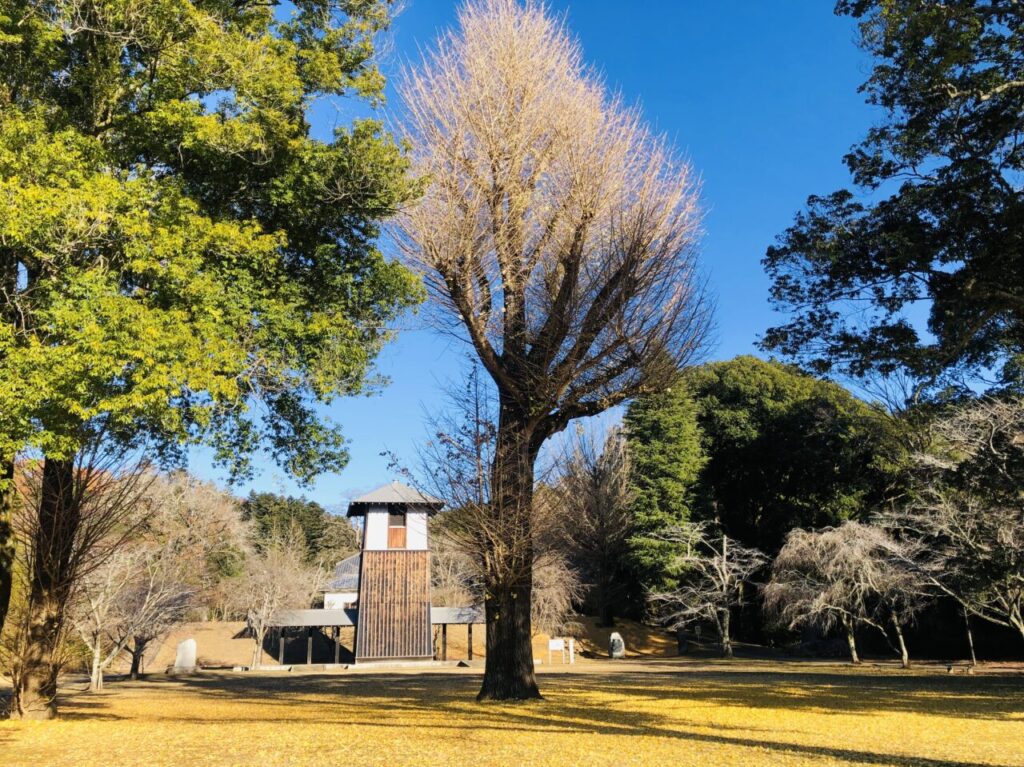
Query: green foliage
{"points": [[325, 536], [939, 225], [180, 262], [784, 450], [665, 459]]}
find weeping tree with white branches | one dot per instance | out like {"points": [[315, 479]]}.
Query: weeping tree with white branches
{"points": [[559, 233], [849, 576], [715, 571]]}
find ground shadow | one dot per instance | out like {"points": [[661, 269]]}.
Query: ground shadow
{"points": [[422, 695]]}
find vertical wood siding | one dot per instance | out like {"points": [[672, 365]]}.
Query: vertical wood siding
{"points": [[394, 606]]}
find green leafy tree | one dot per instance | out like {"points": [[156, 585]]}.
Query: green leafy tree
{"points": [[180, 261], [937, 233], [784, 450], [666, 458]]}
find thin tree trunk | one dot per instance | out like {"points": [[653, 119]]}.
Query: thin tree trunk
{"points": [[508, 671], [851, 640], [970, 636], [724, 621], [35, 672], [7, 500], [96, 676], [904, 655], [257, 648], [138, 650], [725, 638], [606, 611]]}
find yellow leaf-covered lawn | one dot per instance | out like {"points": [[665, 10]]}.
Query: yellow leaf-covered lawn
{"points": [[677, 713]]}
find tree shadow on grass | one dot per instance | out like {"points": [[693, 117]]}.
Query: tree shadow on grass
{"points": [[383, 700]]}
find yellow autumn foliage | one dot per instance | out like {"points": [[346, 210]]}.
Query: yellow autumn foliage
{"points": [[601, 713]]}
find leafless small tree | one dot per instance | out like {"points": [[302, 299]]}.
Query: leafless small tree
{"points": [[559, 233], [159, 600], [202, 530], [715, 571], [277, 578], [967, 514], [849, 576], [95, 614], [593, 492]]}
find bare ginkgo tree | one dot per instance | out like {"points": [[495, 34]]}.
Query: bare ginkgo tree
{"points": [[714, 573], [849, 576], [560, 234]]}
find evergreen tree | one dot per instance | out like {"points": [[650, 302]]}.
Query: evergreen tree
{"points": [[785, 450], [932, 227], [666, 458]]}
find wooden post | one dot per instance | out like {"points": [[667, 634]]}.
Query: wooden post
{"points": [[469, 631], [280, 646], [309, 646], [337, 644], [444, 641]]}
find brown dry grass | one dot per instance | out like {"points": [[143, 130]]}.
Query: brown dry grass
{"points": [[630, 713]]}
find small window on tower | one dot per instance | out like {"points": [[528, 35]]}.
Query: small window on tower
{"points": [[396, 519]]}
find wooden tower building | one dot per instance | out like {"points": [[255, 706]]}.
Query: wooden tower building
{"points": [[394, 574]]}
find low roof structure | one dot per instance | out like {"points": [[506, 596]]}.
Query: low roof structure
{"points": [[452, 616], [393, 495], [318, 618]]}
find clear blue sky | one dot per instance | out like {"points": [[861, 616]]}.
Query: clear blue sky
{"points": [[762, 98]]}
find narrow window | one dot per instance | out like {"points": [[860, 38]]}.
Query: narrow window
{"points": [[396, 530]]}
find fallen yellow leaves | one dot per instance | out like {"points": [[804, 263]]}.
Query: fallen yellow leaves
{"points": [[657, 713]]}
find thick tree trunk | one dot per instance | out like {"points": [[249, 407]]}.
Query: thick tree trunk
{"points": [[35, 671], [904, 655], [970, 636], [851, 640], [7, 496], [726, 639], [509, 672]]}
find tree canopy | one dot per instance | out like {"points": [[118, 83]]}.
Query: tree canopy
{"points": [[784, 450], [180, 260], [936, 234]]}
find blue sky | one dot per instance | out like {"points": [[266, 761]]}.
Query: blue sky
{"points": [[761, 97]]}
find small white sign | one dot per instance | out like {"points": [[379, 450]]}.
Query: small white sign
{"points": [[556, 644]]}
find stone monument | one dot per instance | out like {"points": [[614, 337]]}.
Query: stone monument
{"points": [[616, 646], [185, 658]]}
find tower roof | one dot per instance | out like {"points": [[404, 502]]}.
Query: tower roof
{"points": [[391, 495]]}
